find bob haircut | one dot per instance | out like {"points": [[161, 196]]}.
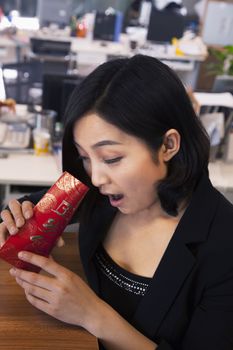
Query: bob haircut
{"points": [[144, 98]]}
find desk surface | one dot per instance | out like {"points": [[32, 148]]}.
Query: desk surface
{"points": [[28, 169], [221, 174], [24, 327]]}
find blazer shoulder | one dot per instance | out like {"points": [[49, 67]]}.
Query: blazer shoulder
{"points": [[220, 238], [224, 215]]}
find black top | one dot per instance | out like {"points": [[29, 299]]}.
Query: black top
{"points": [[120, 288], [189, 302]]}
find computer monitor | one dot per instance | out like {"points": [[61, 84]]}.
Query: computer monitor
{"points": [[165, 25], [54, 12], [57, 89], [107, 26]]}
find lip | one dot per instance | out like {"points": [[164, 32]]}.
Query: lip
{"points": [[115, 203]]}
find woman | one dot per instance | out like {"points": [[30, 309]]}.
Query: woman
{"points": [[155, 236]]}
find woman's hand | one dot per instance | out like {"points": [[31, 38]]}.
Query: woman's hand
{"points": [[67, 297], [15, 218], [63, 295]]}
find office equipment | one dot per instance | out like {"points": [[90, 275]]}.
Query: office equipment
{"points": [[165, 25], [54, 12], [54, 55], [107, 26], [217, 23], [50, 47], [14, 136], [57, 89]]}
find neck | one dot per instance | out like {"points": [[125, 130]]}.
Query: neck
{"points": [[152, 214]]}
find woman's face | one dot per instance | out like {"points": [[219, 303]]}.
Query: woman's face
{"points": [[119, 164]]}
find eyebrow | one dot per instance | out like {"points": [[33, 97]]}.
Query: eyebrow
{"points": [[102, 143]]}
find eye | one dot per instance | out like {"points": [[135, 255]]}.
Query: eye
{"points": [[113, 160]]}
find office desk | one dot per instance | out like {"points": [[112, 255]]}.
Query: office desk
{"points": [[90, 53], [221, 176], [23, 327], [27, 169]]}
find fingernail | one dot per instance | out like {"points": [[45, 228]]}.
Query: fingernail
{"points": [[13, 230], [27, 215], [12, 271], [22, 255]]}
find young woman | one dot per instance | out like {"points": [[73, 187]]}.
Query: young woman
{"points": [[155, 237]]}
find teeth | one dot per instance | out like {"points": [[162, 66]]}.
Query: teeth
{"points": [[116, 196]]}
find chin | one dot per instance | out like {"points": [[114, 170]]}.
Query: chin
{"points": [[127, 210]]}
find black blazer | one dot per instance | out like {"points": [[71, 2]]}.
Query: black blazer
{"points": [[189, 304]]}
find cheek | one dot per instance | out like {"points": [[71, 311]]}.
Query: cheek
{"points": [[87, 168], [143, 182]]}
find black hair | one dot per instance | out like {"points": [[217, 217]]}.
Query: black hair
{"points": [[144, 98]]}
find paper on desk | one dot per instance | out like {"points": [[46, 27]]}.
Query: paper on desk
{"points": [[192, 46], [222, 99]]}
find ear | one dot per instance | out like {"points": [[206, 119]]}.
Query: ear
{"points": [[171, 144]]}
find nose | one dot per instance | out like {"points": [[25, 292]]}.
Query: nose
{"points": [[98, 175]]}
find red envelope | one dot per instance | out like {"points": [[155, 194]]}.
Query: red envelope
{"points": [[51, 215]]}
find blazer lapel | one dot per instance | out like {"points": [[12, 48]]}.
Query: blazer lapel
{"points": [[178, 260], [90, 237], [174, 267]]}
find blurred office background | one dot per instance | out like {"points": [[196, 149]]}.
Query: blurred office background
{"points": [[47, 47]]}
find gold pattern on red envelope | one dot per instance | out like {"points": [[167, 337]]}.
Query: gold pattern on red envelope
{"points": [[47, 202], [67, 184], [51, 215]]}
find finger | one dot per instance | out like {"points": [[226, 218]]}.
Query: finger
{"points": [[44, 263], [32, 278], [9, 222], [36, 291], [3, 234], [60, 242], [16, 211], [27, 209], [38, 303]]}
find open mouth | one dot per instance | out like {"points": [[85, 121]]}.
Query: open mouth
{"points": [[115, 199]]}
